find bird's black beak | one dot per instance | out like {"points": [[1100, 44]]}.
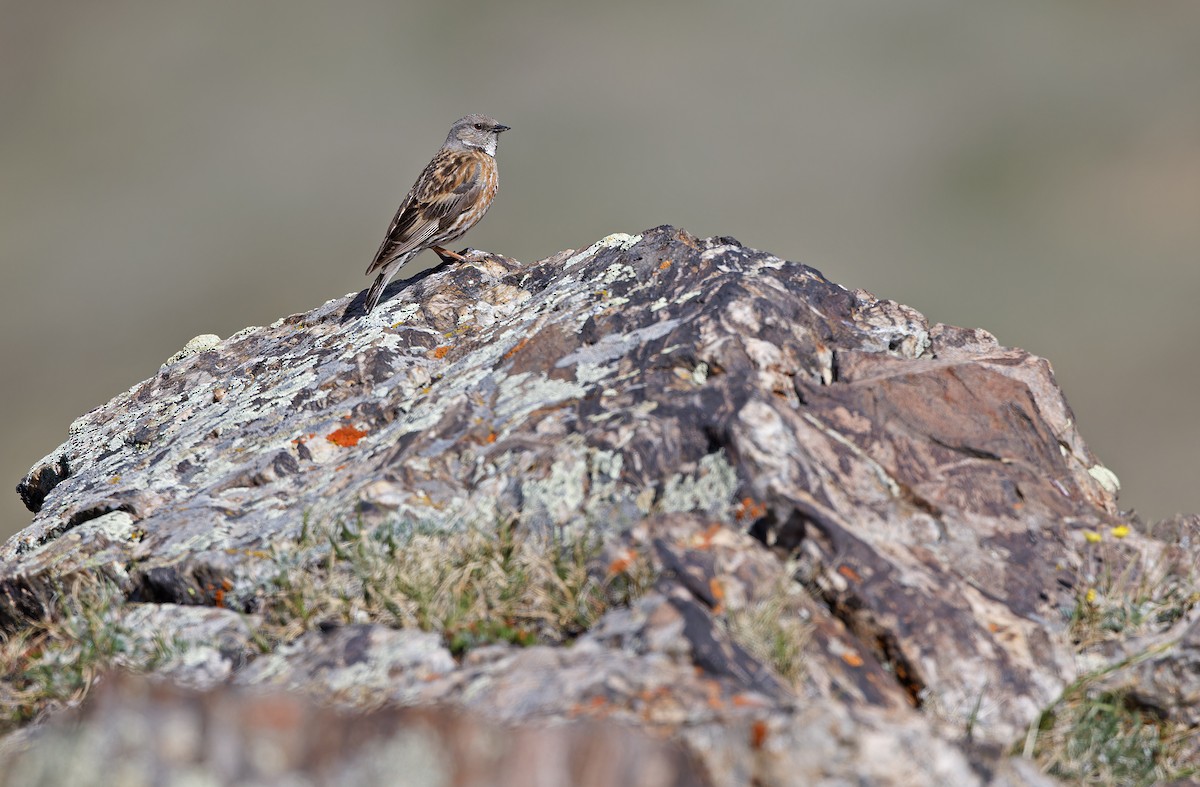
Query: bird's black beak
{"points": [[498, 128]]}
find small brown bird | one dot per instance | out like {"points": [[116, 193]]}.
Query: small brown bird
{"points": [[450, 197]]}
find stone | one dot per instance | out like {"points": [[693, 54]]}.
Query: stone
{"points": [[919, 492]]}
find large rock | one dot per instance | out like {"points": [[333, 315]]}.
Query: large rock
{"points": [[927, 485]]}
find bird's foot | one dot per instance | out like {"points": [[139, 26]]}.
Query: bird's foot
{"points": [[447, 255]]}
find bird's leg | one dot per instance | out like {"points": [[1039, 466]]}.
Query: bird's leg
{"points": [[447, 255]]}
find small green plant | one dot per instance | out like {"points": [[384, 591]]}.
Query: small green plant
{"points": [[475, 587], [1097, 737], [53, 661], [772, 629], [1127, 595]]}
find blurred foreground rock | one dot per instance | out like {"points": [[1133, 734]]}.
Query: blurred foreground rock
{"points": [[135, 732], [736, 420]]}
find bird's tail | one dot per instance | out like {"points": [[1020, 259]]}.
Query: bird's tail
{"points": [[376, 291]]}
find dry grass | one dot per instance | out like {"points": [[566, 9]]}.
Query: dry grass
{"points": [[54, 660], [1099, 737], [1129, 593], [773, 629], [1094, 734], [474, 587]]}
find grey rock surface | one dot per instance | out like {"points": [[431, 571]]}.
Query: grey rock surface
{"points": [[736, 417]]}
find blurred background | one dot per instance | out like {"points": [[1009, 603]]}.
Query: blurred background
{"points": [[169, 169]]}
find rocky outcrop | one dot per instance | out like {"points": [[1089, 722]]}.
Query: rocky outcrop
{"points": [[735, 421]]}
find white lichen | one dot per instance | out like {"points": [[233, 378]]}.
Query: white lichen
{"points": [[197, 344], [710, 489], [1106, 478]]}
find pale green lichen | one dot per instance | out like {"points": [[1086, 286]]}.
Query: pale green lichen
{"points": [[617, 240], [588, 373], [115, 526], [405, 313], [198, 344], [618, 272], [710, 489], [559, 497], [618, 345], [620, 240], [1106, 478], [585, 486], [519, 395]]}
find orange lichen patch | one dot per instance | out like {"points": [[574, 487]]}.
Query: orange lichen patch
{"points": [[704, 541], [852, 658], [304, 438], [262, 554], [621, 563], [664, 265], [652, 695], [758, 734], [749, 510], [516, 348], [993, 627], [597, 706], [440, 352], [345, 436], [718, 594], [491, 437], [713, 690], [849, 573], [218, 592]]}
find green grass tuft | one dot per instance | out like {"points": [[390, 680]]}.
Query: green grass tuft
{"points": [[53, 661], [472, 586]]}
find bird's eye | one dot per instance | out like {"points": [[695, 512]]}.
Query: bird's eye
{"points": [[479, 127]]}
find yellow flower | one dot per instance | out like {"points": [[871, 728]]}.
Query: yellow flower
{"points": [[1090, 596], [1120, 531], [1092, 536]]}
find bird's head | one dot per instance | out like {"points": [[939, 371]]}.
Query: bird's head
{"points": [[476, 131]]}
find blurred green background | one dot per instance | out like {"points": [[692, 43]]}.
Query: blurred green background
{"points": [[1029, 167]]}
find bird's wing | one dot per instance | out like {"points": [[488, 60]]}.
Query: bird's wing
{"points": [[450, 183]]}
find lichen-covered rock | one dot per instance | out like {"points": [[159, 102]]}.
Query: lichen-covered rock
{"points": [[925, 486]]}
